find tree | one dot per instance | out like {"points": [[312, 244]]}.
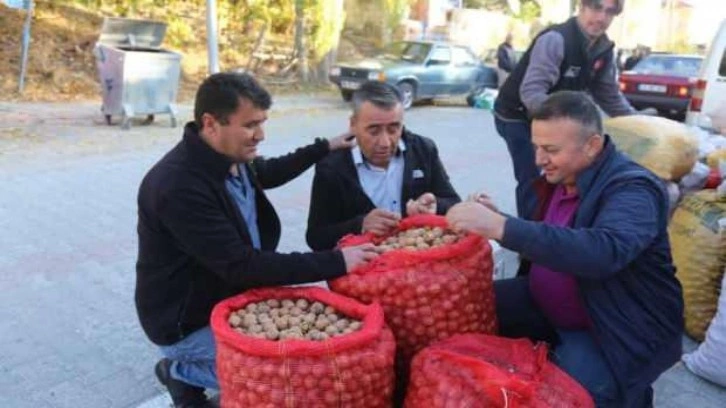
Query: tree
{"points": [[300, 48], [494, 5], [525, 9], [394, 11], [329, 18]]}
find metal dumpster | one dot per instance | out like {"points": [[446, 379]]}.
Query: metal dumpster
{"points": [[137, 76]]}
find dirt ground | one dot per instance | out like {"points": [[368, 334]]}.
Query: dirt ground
{"points": [[62, 66]]}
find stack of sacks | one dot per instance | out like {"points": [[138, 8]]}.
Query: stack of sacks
{"points": [[698, 240], [666, 147], [709, 359]]}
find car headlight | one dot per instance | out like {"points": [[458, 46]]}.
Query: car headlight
{"points": [[335, 71], [377, 76]]}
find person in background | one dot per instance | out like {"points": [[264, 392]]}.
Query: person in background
{"points": [[506, 59], [576, 55], [207, 231], [392, 172], [619, 61], [597, 280], [634, 59]]}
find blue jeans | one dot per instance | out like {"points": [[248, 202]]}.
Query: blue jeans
{"points": [[518, 136], [579, 356], [575, 352], [193, 359]]}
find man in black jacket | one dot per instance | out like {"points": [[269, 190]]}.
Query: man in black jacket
{"points": [[506, 59], [207, 231], [576, 55], [392, 172]]}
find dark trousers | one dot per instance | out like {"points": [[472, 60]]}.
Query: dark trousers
{"points": [[518, 136], [574, 351]]}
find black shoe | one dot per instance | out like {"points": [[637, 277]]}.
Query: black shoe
{"points": [[182, 394]]}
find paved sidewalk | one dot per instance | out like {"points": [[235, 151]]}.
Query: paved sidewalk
{"points": [[69, 336]]}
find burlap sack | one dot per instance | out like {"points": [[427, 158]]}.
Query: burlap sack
{"points": [[715, 157], [698, 240], [709, 360], [663, 146]]}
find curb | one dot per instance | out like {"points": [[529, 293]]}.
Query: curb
{"points": [[84, 113]]}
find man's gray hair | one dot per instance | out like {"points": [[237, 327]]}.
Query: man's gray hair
{"points": [[573, 105], [619, 4], [380, 94]]}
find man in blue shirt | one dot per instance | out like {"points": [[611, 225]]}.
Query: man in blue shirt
{"points": [[207, 231], [391, 173]]}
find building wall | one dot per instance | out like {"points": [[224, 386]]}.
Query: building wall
{"points": [[639, 24]]}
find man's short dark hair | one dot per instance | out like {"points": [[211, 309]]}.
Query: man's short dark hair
{"points": [[380, 94], [220, 93], [598, 3], [573, 105]]}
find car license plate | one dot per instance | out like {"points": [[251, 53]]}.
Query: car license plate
{"points": [[652, 88], [349, 85]]}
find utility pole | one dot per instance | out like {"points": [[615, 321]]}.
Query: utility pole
{"points": [[28, 4], [212, 46]]}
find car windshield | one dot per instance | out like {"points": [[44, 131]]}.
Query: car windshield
{"points": [[669, 65], [407, 51]]}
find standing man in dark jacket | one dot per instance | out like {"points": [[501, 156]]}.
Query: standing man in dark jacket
{"points": [[506, 59], [392, 172], [207, 231], [576, 55], [600, 282]]}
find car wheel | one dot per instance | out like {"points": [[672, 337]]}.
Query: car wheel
{"points": [[408, 91], [347, 95]]}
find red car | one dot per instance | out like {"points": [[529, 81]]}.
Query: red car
{"points": [[661, 81]]}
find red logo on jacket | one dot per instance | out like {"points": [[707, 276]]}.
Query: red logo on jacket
{"points": [[598, 64]]}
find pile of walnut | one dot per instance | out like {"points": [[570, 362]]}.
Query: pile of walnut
{"points": [[418, 239], [291, 319]]}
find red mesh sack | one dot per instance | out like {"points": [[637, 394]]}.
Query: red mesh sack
{"points": [[353, 370], [427, 295], [476, 370]]}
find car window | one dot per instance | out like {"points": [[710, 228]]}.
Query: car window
{"points": [[441, 54], [407, 51], [669, 65], [462, 57], [722, 67]]}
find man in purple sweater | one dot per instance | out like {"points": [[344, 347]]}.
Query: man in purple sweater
{"points": [[597, 280], [576, 55]]}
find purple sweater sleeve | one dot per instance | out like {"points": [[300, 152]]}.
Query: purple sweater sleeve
{"points": [[543, 70]]}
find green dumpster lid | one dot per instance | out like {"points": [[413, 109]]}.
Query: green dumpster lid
{"points": [[131, 33]]}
